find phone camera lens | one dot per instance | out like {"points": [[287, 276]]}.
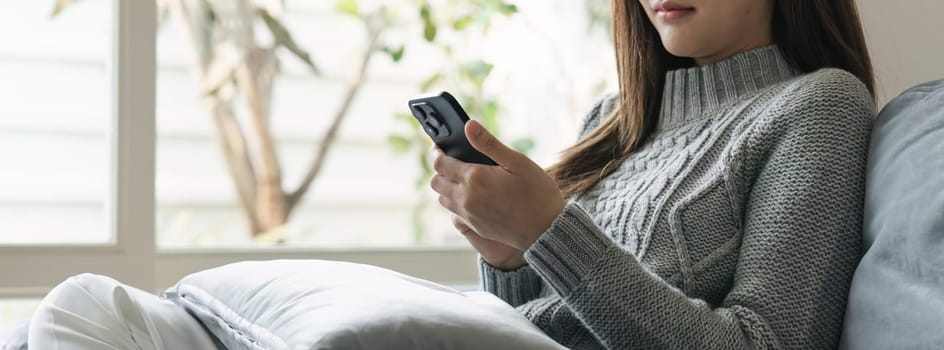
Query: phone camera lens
{"points": [[430, 120], [433, 120]]}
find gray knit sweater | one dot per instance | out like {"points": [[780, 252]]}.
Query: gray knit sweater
{"points": [[736, 225]]}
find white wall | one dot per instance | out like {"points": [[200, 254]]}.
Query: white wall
{"points": [[906, 39]]}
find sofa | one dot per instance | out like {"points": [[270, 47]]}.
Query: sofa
{"points": [[897, 295]]}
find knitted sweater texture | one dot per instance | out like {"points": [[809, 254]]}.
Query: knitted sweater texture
{"points": [[736, 225]]}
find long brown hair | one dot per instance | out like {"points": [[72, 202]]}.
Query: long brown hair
{"points": [[811, 34]]}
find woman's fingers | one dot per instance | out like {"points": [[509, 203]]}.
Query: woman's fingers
{"points": [[443, 185], [449, 204], [461, 226], [449, 167], [447, 189]]}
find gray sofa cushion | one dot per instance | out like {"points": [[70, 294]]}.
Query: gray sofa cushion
{"points": [[897, 296]]}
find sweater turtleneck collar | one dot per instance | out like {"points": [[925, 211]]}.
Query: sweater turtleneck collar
{"points": [[695, 93]]}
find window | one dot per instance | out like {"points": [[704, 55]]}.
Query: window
{"points": [[54, 122], [118, 164], [83, 142], [366, 196]]}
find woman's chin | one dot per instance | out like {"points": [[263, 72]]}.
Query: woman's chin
{"points": [[681, 50], [690, 49]]}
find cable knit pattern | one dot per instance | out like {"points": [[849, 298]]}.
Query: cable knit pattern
{"points": [[736, 225]]}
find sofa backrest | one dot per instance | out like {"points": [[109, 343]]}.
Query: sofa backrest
{"points": [[897, 295]]}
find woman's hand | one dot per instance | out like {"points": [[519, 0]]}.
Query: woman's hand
{"points": [[512, 203], [498, 255]]}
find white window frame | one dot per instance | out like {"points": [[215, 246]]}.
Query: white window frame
{"points": [[29, 271], [133, 258]]}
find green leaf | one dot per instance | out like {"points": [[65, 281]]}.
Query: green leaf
{"points": [[469, 102], [476, 71], [489, 115], [284, 39], [347, 7], [462, 23], [425, 166], [507, 9], [399, 143], [429, 27], [523, 145], [395, 54], [429, 31], [425, 13], [60, 6], [429, 82]]}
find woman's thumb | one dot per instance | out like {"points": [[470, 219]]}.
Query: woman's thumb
{"points": [[488, 144]]}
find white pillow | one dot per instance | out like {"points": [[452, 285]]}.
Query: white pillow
{"points": [[13, 336], [316, 304]]}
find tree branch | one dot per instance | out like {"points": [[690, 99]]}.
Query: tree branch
{"points": [[253, 71], [255, 77], [191, 18], [235, 152], [331, 134]]}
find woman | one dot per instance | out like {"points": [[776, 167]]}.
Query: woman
{"points": [[714, 203]]}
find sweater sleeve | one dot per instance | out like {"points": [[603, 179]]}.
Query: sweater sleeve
{"points": [[800, 243], [522, 285], [514, 287]]}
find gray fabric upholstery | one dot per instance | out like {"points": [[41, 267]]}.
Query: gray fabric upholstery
{"points": [[897, 296]]}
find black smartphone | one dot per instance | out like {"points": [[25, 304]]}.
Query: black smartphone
{"points": [[444, 120]]}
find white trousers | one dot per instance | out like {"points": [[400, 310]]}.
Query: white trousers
{"points": [[96, 312]]}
